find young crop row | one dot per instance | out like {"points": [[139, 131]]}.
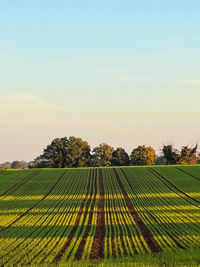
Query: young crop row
{"points": [[172, 224], [45, 227], [54, 216]]}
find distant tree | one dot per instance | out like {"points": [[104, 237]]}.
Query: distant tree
{"points": [[143, 155], [19, 164], [120, 157], [160, 160], [102, 155], [5, 165], [65, 152], [31, 164], [188, 155], [171, 155], [198, 158]]}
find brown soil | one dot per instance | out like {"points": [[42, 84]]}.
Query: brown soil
{"points": [[147, 235], [97, 251]]}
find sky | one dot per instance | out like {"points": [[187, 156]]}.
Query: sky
{"points": [[121, 72]]}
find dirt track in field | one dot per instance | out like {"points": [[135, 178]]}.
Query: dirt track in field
{"points": [[147, 235], [97, 251]]}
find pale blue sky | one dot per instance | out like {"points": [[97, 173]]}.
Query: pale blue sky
{"points": [[123, 72]]}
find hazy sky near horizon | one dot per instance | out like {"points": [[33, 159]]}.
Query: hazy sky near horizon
{"points": [[121, 72]]}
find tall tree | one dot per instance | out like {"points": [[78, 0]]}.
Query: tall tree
{"points": [[64, 152], [143, 155], [120, 157], [171, 155], [189, 155], [102, 155]]}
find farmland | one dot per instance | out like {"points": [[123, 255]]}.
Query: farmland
{"points": [[56, 216]]}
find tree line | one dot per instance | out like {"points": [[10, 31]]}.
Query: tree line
{"points": [[17, 164], [74, 152]]}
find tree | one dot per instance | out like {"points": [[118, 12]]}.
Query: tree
{"points": [[171, 155], [120, 157], [65, 152], [19, 164], [160, 160], [188, 155], [143, 155], [102, 155], [5, 165], [31, 164]]}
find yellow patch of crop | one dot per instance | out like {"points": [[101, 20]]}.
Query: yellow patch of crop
{"points": [[194, 194], [5, 219], [174, 207], [178, 218], [88, 247], [49, 197]]}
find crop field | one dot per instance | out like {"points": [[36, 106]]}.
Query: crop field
{"points": [[57, 216]]}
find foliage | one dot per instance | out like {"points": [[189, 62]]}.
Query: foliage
{"points": [[19, 164], [65, 152], [5, 165], [189, 155], [160, 160], [143, 155], [171, 155], [120, 157], [186, 156], [102, 155]]}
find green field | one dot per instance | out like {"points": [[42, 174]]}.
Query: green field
{"points": [[100, 216]]}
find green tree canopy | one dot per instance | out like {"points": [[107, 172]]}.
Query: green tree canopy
{"points": [[171, 155], [120, 157], [102, 155], [143, 155], [65, 152]]}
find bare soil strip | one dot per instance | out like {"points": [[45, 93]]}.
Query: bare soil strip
{"points": [[147, 235], [188, 173], [97, 251], [68, 241], [80, 250], [171, 186], [23, 214], [22, 180]]}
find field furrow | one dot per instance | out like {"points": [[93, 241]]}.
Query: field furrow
{"points": [[54, 216]]}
